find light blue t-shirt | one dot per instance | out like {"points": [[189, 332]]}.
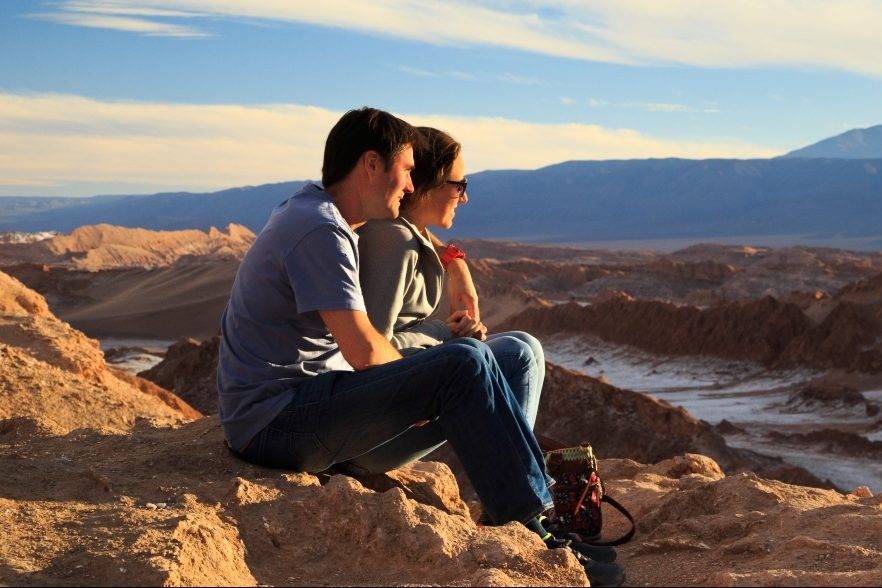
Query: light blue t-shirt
{"points": [[304, 260]]}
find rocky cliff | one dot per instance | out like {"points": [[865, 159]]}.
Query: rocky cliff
{"points": [[102, 247], [768, 331]]}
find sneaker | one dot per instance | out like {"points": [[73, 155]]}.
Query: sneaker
{"points": [[604, 574], [600, 573], [599, 553]]}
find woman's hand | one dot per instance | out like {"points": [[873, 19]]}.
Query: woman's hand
{"points": [[463, 324]]}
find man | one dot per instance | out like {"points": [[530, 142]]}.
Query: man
{"points": [[306, 382]]}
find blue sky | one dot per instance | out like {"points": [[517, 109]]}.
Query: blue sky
{"points": [[138, 96]]}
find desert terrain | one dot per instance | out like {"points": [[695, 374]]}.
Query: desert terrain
{"points": [[733, 393]]}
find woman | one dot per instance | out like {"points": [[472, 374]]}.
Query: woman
{"points": [[402, 279]]}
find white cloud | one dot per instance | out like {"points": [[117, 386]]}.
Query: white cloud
{"points": [[510, 78], [65, 140], [566, 101], [128, 24], [708, 108], [416, 71], [659, 107], [124, 8], [506, 78], [837, 34]]}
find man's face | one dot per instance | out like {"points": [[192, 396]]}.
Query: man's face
{"points": [[390, 186]]}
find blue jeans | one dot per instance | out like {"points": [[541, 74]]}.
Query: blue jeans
{"points": [[337, 417], [522, 361]]}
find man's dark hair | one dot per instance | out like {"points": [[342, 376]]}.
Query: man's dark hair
{"points": [[364, 129]]}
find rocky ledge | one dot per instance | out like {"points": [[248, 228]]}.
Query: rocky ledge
{"points": [[112, 480]]}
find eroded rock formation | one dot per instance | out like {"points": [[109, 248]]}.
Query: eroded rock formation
{"points": [[102, 247]]}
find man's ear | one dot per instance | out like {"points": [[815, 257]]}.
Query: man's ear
{"points": [[372, 163]]}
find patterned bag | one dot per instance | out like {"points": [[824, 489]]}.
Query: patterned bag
{"points": [[578, 493]]}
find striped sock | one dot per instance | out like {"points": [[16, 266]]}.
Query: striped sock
{"points": [[535, 525]]}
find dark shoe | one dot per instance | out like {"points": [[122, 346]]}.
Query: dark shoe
{"points": [[600, 573], [600, 553], [597, 553], [604, 574]]}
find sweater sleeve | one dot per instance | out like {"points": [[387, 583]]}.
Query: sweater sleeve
{"points": [[386, 267], [422, 335]]}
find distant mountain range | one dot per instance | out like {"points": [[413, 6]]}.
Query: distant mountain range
{"points": [[854, 144], [572, 201]]}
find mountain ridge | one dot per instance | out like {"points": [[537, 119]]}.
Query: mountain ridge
{"points": [[853, 144], [577, 201]]}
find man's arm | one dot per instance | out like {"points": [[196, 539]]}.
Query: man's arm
{"points": [[460, 287], [362, 346], [323, 272]]}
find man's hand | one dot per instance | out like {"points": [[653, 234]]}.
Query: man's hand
{"points": [[461, 289], [359, 342], [462, 324]]}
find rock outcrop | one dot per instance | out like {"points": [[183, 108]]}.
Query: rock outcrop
{"points": [[107, 480], [104, 482], [758, 330], [55, 375], [189, 369], [101, 247], [700, 528], [768, 331], [831, 397], [174, 507]]}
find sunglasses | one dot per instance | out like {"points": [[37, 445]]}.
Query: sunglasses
{"points": [[461, 185]]}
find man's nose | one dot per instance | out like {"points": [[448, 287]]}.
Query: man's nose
{"points": [[408, 187], [465, 197]]}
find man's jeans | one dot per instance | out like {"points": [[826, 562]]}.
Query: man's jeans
{"points": [[522, 361], [337, 417]]}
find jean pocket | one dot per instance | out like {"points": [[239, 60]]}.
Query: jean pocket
{"points": [[301, 452], [310, 454]]}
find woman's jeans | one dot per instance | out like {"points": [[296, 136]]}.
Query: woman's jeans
{"points": [[522, 361], [367, 422]]}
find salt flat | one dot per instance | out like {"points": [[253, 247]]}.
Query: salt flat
{"points": [[746, 394]]}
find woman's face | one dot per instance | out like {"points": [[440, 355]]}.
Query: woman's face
{"points": [[441, 202]]}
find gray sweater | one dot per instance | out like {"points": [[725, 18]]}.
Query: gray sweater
{"points": [[401, 280]]}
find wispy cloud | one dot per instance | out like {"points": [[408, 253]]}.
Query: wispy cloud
{"points": [[835, 34], [123, 8], [509, 78], [128, 24], [416, 71], [64, 140], [709, 108], [506, 78], [427, 73]]}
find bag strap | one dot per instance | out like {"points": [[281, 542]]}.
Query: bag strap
{"points": [[547, 443], [624, 538]]}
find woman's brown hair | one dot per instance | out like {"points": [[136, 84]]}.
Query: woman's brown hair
{"points": [[433, 161]]}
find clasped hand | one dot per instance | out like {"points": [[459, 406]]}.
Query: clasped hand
{"points": [[463, 324]]}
